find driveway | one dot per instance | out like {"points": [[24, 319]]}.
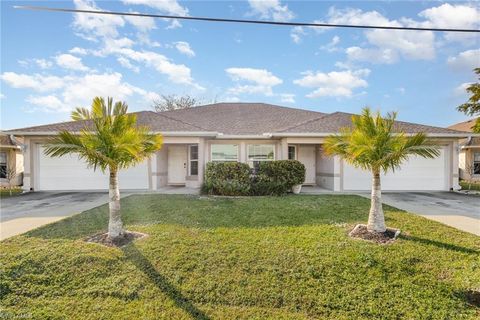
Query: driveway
{"points": [[458, 210], [31, 210]]}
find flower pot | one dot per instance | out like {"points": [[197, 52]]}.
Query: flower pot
{"points": [[296, 189]]}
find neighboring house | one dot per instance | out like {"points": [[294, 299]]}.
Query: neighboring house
{"points": [[469, 155], [11, 161], [245, 132]]}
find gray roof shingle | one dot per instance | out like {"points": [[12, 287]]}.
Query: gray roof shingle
{"points": [[240, 119]]}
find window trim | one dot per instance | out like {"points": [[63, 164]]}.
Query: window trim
{"points": [[251, 162], [224, 144], [473, 163], [190, 160], [288, 151], [6, 164]]}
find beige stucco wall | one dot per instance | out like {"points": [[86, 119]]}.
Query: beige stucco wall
{"points": [[14, 160], [465, 162]]}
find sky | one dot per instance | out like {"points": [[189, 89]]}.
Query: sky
{"points": [[53, 62]]}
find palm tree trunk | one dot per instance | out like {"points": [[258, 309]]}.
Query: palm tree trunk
{"points": [[115, 225], [376, 219]]}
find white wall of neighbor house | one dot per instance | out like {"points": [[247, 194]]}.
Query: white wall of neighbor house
{"points": [[14, 159]]}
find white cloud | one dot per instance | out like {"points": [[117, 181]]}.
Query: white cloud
{"points": [[372, 55], [77, 50], [71, 62], [296, 34], [2, 96], [92, 26], [73, 91], [271, 9], [127, 64], [461, 16], [333, 84], [177, 73], [143, 24], [461, 90], [36, 82], [466, 60], [167, 6], [48, 103], [287, 97], [174, 24], [184, 48], [332, 45], [259, 81], [42, 63], [417, 45]]}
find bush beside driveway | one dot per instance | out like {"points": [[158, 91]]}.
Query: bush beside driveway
{"points": [[241, 258]]}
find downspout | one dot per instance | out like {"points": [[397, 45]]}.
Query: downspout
{"points": [[22, 146]]}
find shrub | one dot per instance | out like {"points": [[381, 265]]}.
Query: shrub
{"points": [[278, 177], [227, 179], [234, 178]]}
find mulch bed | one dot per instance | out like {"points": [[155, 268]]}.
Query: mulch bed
{"points": [[360, 231], [473, 297], [102, 238]]}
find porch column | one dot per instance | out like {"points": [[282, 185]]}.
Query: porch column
{"points": [[201, 160], [284, 148], [455, 150], [152, 170], [337, 174]]}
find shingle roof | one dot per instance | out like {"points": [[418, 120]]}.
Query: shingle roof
{"points": [[240, 119], [332, 122], [6, 141], [464, 126]]}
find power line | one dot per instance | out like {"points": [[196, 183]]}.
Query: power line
{"points": [[293, 24]]}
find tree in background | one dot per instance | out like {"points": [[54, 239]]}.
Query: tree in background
{"points": [[372, 144], [472, 106], [174, 102], [111, 141]]}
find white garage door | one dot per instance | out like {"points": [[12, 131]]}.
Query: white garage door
{"points": [[416, 174], [70, 173]]}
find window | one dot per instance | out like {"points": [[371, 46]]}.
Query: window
{"points": [[224, 152], [476, 163], [3, 165], [193, 160], [292, 153], [260, 152]]}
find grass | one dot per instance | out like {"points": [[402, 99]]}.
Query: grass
{"points": [[470, 186], [240, 258], [5, 192]]}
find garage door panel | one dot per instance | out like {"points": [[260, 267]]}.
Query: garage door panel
{"points": [[71, 173], [416, 174]]}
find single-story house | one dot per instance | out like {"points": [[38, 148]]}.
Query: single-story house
{"points": [[245, 132], [11, 161], [469, 155]]}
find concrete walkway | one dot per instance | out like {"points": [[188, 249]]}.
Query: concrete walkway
{"points": [[31, 210], [458, 210]]}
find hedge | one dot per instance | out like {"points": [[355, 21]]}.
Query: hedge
{"points": [[227, 179], [235, 178]]}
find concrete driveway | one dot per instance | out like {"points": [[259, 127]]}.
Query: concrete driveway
{"points": [[28, 211], [458, 210]]}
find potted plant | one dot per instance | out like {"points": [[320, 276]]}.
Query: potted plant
{"points": [[296, 175]]}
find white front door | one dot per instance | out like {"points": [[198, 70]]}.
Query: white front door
{"points": [[306, 155], [177, 164]]}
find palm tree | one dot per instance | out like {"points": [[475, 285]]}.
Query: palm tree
{"points": [[110, 141], [373, 144]]}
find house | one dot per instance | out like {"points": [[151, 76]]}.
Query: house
{"points": [[246, 132], [469, 155], [11, 161]]}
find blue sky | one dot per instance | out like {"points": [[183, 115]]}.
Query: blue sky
{"points": [[53, 62]]}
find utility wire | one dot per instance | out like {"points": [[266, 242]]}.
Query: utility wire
{"points": [[295, 24]]}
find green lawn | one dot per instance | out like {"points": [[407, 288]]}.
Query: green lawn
{"points": [[5, 192], [240, 258], [470, 186]]}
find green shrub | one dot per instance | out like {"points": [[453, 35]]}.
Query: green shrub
{"points": [[277, 177], [227, 179], [234, 178]]}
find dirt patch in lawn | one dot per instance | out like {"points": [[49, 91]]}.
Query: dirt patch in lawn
{"points": [[102, 238], [361, 232], [473, 297]]}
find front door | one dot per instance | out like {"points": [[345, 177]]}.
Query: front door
{"points": [[306, 155], [177, 164]]}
